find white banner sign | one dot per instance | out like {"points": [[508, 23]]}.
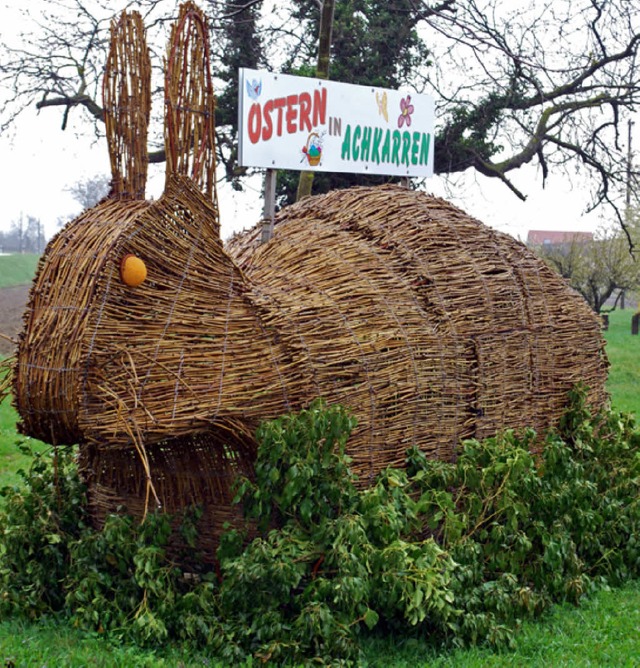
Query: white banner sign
{"points": [[288, 122]]}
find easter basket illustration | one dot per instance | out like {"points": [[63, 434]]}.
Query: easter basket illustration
{"points": [[429, 326], [313, 149]]}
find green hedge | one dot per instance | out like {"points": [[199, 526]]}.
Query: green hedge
{"points": [[459, 552]]}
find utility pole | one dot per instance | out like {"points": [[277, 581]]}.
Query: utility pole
{"points": [[627, 212], [629, 170], [322, 72]]}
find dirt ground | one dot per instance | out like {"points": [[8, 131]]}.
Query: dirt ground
{"points": [[12, 303]]}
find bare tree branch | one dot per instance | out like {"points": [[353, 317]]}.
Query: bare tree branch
{"points": [[72, 101], [544, 82]]}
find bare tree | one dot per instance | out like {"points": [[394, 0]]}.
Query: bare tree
{"points": [[601, 269], [540, 82], [90, 191], [548, 83]]}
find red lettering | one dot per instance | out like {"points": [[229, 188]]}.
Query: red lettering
{"points": [[296, 111], [267, 130], [279, 103], [305, 111], [254, 122], [292, 113], [320, 106]]}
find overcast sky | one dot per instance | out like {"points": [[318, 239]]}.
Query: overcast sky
{"points": [[39, 161]]}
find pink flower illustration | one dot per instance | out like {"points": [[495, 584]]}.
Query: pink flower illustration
{"points": [[406, 109]]}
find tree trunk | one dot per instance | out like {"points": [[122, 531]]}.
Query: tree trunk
{"points": [[322, 72]]}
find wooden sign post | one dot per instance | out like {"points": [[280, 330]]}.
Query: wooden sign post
{"points": [[269, 210]]}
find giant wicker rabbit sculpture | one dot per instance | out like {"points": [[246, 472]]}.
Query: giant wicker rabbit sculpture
{"points": [[428, 325]]}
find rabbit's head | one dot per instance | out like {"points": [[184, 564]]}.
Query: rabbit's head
{"points": [[124, 336]]}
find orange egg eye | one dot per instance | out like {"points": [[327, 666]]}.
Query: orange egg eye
{"points": [[133, 270]]}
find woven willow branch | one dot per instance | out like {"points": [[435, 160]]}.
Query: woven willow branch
{"points": [[127, 104], [190, 101]]}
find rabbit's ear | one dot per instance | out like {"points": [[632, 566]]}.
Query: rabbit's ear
{"points": [[126, 92], [190, 101]]}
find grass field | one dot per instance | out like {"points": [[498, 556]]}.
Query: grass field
{"points": [[17, 269], [624, 354], [11, 457], [602, 632]]}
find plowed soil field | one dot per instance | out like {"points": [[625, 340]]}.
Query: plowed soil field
{"points": [[12, 303]]}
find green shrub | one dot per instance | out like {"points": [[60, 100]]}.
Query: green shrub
{"points": [[38, 523], [459, 553], [341, 561], [122, 579]]}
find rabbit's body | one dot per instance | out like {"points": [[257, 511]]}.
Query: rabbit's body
{"points": [[427, 325]]}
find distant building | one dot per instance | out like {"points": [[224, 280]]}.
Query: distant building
{"points": [[555, 238]]}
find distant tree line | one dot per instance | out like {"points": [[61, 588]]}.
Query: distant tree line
{"points": [[25, 235]]}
